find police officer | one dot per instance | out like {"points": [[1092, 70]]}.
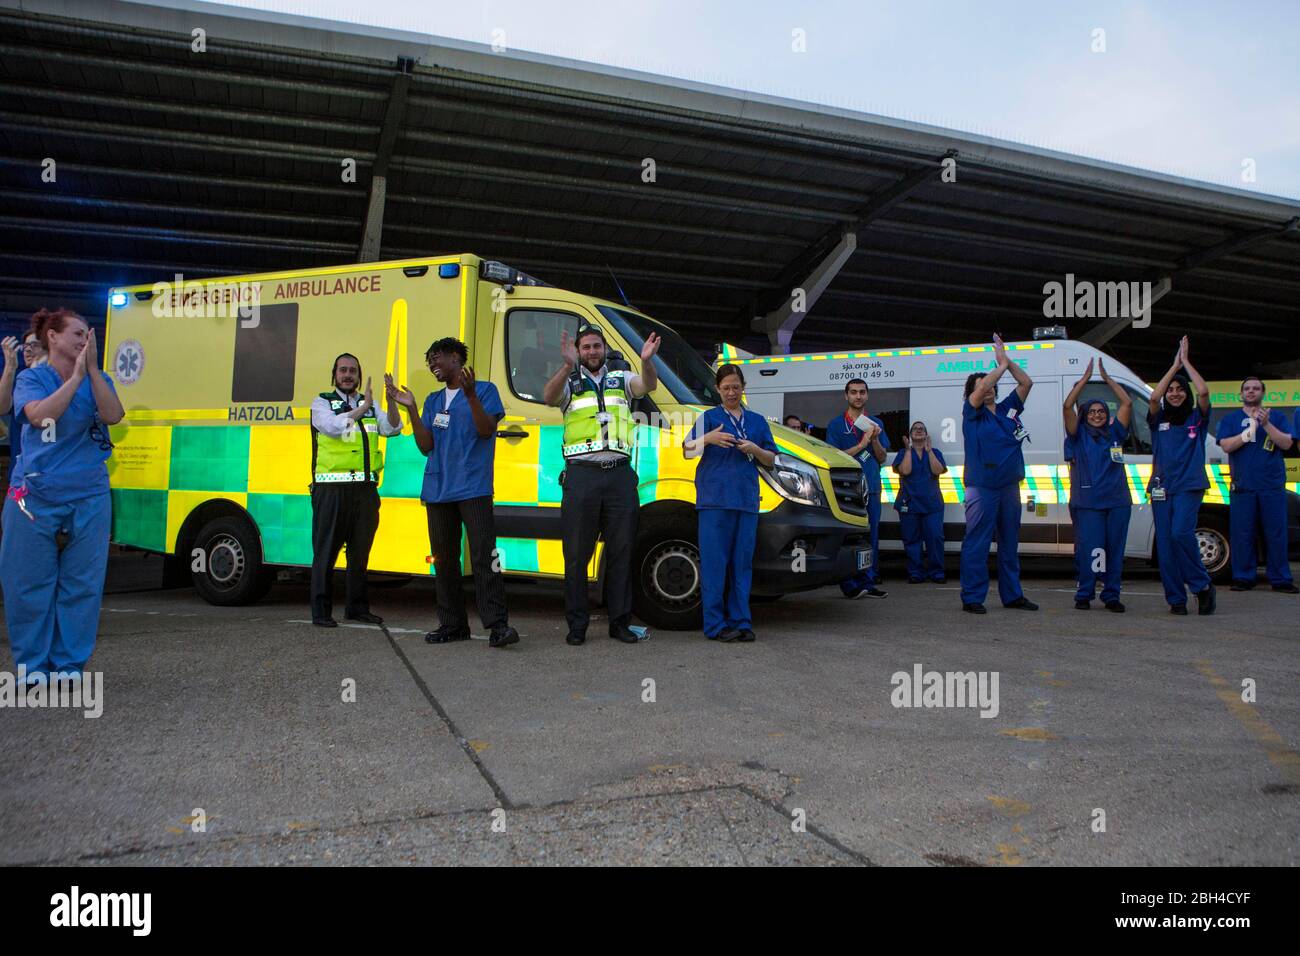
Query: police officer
{"points": [[600, 487], [993, 468], [863, 437], [1100, 502], [457, 434], [1255, 440], [345, 463], [1179, 422]]}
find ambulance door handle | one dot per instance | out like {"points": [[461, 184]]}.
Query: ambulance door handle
{"points": [[513, 431]]}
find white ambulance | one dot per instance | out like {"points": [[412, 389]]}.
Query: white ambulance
{"points": [[925, 383]]}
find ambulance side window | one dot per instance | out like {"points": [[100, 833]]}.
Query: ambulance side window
{"points": [[266, 353], [533, 348]]}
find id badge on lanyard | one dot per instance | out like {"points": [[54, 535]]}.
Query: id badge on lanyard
{"points": [[1117, 454], [740, 427]]}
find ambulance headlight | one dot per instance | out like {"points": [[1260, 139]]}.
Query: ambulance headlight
{"points": [[795, 480], [117, 299]]}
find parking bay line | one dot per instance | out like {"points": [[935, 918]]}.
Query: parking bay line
{"points": [[1282, 756]]}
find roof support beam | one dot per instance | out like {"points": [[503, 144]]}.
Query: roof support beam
{"points": [[372, 227], [1100, 334], [802, 282]]}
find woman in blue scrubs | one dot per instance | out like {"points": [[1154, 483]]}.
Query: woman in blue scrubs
{"points": [[992, 470], [1179, 424], [1100, 502], [63, 410], [730, 442], [920, 505]]}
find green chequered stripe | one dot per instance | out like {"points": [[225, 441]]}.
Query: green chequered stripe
{"points": [[646, 462], [403, 468], [518, 554], [549, 443], [140, 517], [209, 459], [285, 524]]}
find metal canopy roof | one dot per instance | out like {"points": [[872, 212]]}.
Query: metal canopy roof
{"points": [[229, 161]]}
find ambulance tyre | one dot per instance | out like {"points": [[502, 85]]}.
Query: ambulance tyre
{"points": [[1213, 541], [232, 573], [666, 572]]}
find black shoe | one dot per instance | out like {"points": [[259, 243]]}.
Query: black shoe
{"points": [[1082, 605], [726, 635], [916, 580], [1023, 603], [448, 633], [746, 636], [872, 591], [503, 635], [1178, 609], [576, 637], [1286, 589], [974, 608], [366, 618], [1115, 606], [1242, 586], [1207, 601], [324, 622], [621, 632]]}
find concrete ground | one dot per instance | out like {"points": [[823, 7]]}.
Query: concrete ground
{"points": [[785, 751]]}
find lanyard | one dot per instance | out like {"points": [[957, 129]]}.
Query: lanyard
{"points": [[738, 424]]}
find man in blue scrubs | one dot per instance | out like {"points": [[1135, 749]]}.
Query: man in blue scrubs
{"points": [[993, 468], [58, 517], [1100, 502], [920, 505], [1255, 440], [729, 440], [869, 446], [457, 434], [1179, 423]]}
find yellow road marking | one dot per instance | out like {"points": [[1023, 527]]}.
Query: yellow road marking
{"points": [[1282, 756], [1029, 733], [1011, 807]]}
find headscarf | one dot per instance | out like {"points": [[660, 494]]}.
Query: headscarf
{"points": [[1177, 414], [1093, 431]]}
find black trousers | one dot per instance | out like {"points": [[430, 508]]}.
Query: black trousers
{"points": [[598, 501], [344, 513], [445, 520]]}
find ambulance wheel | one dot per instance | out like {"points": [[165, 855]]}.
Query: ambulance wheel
{"points": [[666, 574], [1213, 542], [232, 563]]}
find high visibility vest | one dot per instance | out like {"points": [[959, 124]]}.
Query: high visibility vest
{"points": [[353, 457], [598, 418]]}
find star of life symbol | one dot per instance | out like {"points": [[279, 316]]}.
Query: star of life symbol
{"points": [[128, 362]]}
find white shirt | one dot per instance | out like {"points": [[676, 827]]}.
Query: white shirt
{"points": [[451, 393], [326, 422]]}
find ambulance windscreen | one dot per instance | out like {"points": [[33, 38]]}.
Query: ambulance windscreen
{"points": [[680, 368]]}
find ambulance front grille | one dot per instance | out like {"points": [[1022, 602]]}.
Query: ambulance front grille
{"points": [[847, 483]]}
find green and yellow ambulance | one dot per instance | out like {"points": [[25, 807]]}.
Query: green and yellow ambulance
{"points": [[212, 464]]}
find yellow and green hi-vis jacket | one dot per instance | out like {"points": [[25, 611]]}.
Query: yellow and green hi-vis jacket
{"points": [[598, 418], [353, 457]]}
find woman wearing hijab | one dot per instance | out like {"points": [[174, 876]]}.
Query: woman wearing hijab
{"points": [[920, 505], [1100, 503], [730, 442], [1178, 481]]}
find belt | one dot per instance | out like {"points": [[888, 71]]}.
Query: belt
{"points": [[606, 465], [337, 476]]}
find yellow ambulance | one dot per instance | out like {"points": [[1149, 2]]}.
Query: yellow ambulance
{"points": [[212, 465]]}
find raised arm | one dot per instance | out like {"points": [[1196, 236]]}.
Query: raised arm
{"points": [[1069, 411], [1198, 383], [107, 405], [1124, 413], [553, 390], [1162, 386], [1023, 382], [10, 346], [646, 382]]}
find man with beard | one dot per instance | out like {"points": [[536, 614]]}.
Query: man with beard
{"points": [[345, 464], [1255, 441], [862, 436], [599, 486], [457, 434]]}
